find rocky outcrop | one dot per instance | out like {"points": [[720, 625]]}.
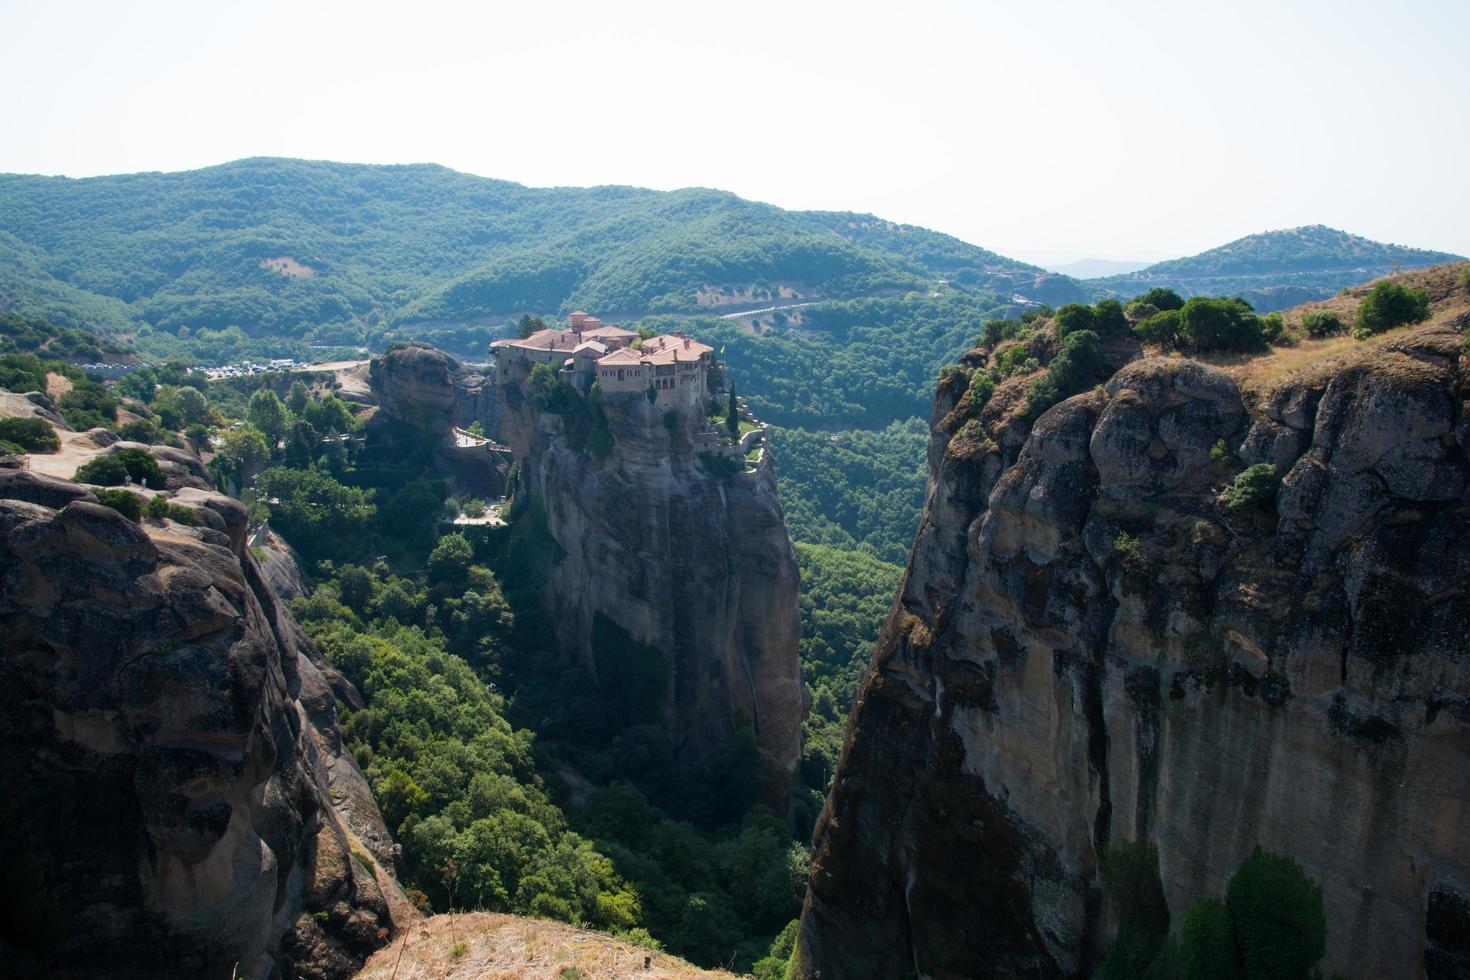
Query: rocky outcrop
{"points": [[1089, 646], [180, 801], [694, 571], [423, 387], [422, 394]]}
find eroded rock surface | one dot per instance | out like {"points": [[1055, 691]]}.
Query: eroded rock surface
{"points": [[698, 567], [1089, 646], [421, 386], [172, 754]]}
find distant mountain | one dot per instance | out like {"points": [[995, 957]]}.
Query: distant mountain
{"points": [[1094, 268], [337, 253], [1275, 269]]}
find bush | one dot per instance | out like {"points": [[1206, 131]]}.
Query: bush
{"points": [[1255, 486], [1215, 323], [113, 469], [997, 330], [1390, 305], [1161, 299], [1074, 317], [1321, 323], [1276, 911], [1162, 329], [34, 435], [130, 505], [1273, 325], [1076, 367], [1110, 321], [1207, 941]]}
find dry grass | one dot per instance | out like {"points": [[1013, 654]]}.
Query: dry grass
{"points": [[501, 947], [1257, 374]]}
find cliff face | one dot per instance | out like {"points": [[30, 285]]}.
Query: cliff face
{"points": [[1089, 647], [180, 801], [424, 387], [697, 567]]}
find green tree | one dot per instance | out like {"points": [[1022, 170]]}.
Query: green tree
{"points": [[319, 516], [1074, 317], [1388, 305], [1207, 942], [33, 435], [1321, 323], [1215, 323], [302, 443], [1163, 329], [732, 414], [1109, 319], [1276, 911], [192, 405], [450, 558], [268, 415], [243, 450], [115, 467], [298, 397], [1161, 298]]}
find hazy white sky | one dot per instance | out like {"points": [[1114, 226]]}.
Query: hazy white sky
{"points": [[1043, 129]]}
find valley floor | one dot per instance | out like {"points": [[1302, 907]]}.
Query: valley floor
{"points": [[494, 946]]}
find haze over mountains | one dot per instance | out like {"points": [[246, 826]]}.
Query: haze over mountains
{"points": [[1275, 269]]}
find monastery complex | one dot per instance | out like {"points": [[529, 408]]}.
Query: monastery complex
{"points": [[674, 367]]}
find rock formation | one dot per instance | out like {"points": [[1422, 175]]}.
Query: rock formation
{"points": [[421, 386], [422, 394], [180, 802], [1089, 646], [660, 551]]}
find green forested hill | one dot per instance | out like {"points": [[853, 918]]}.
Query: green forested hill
{"points": [[333, 253], [1275, 269]]}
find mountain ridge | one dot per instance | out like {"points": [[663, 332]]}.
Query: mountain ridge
{"points": [[1275, 269], [330, 253]]}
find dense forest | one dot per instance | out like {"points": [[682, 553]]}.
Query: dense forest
{"points": [[296, 254]]}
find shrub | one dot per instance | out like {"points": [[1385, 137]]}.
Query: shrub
{"points": [[1074, 317], [1011, 359], [1273, 325], [1207, 941], [1276, 911], [1463, 279], [1255, 486], [139, 430], [1126, 545], [1390, 305], [112, 469], [1162, 329], [995, 331], [1321, 323], [1110, 321], [1076, 367], [1130, 873], [1138, 311], [1215, 323], [34, 435], [1162, 299], [130, 505]]}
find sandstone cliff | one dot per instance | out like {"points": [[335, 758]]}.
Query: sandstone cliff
{"points": [[1089, 646], [180, 801], [697, 567], [422, 394], [422, 386]]}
